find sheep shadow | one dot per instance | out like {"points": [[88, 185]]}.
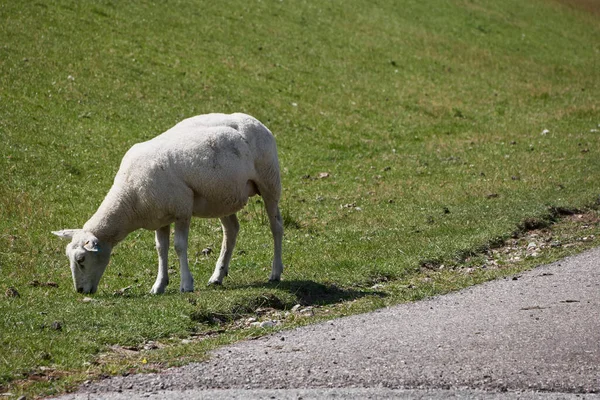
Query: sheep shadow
{"points": [[308, 293], [304, 292]]}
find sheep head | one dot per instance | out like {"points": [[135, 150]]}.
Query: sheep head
{"points": [[88, 258]]}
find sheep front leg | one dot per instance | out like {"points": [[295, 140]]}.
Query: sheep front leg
{"points": [[182, 229], [231, 227], [162, 247]]}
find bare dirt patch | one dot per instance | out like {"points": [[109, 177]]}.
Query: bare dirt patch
{"points": [[591, 6], [563, 231]]}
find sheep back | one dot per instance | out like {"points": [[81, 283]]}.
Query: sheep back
{"points": [[205, 166]]}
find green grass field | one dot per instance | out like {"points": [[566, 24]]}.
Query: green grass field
{"points": [[441, 127]]}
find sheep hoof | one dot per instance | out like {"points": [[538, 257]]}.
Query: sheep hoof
{"points": [[214, 283], [186, 285], [157, 289]]}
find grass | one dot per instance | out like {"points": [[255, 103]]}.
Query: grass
{"points": [[430, 123]]}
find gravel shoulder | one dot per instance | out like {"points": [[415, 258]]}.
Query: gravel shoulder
{"points": [[535, 335]]}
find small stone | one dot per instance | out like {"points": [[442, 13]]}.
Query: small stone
{"points": [[251, 320], [323, 175], [121, 291], [150, 345], [268, 324], [531, 245], [545, 132], [296, 308], [186, 341], [255, 324], [87, 299]]}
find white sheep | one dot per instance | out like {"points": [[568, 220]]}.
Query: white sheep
{"points": [[205, 166]]}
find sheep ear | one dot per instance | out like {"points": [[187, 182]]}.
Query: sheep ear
{"points": [[66, 233], [91, 245]]}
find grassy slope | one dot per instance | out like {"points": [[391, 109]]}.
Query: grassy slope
{"points": [[410, 108]]}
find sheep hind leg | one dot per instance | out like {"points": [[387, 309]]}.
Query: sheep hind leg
{"points": [[162, 247], [231, 227], [276, 224], [182, 229]]}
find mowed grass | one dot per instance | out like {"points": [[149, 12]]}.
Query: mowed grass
{"points": [[409, 134]]}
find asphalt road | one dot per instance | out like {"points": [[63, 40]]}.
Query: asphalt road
{"points": [[536, 335]]}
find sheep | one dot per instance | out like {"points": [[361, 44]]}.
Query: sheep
{"points": [[207, 166]]}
